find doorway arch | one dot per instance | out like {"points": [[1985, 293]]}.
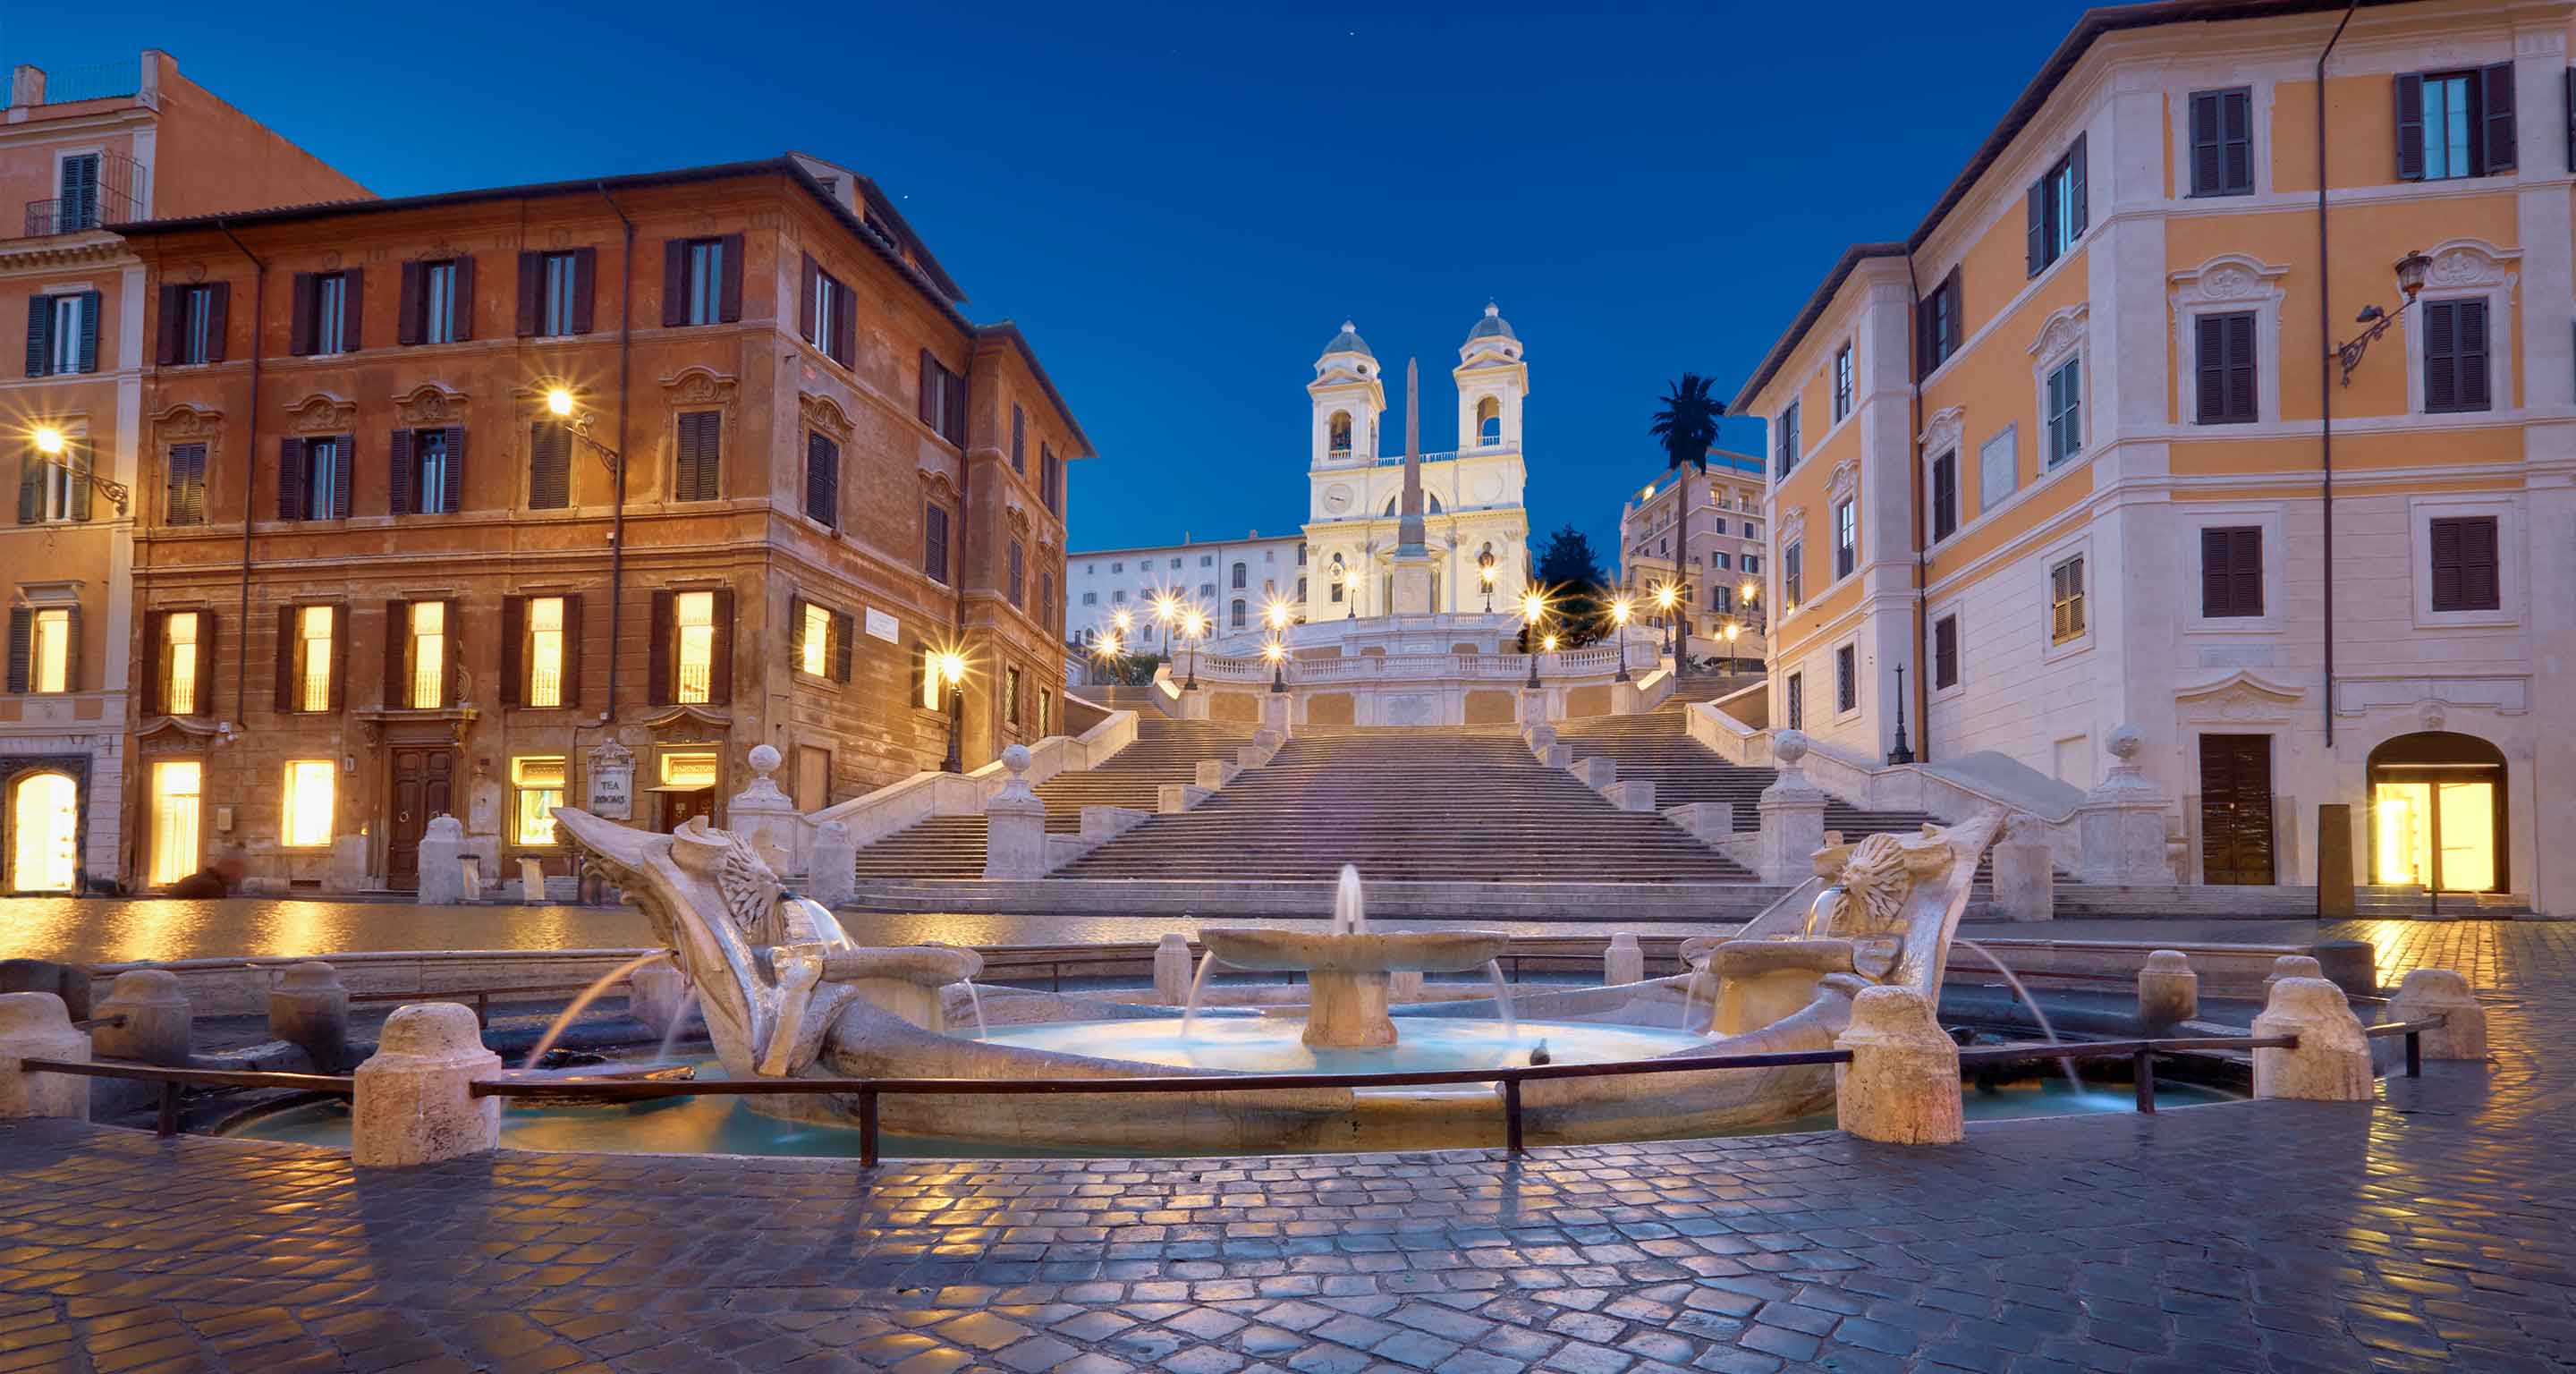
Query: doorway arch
{"points": [[2438, 813], [44, 832]]}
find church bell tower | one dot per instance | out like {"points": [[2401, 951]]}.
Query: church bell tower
{"points": [[1349, 396]]}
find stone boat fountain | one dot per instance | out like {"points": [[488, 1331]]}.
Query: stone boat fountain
{"points": [[786, 993]]}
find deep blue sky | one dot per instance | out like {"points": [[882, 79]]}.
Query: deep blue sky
{"points": [[1180, 203]]}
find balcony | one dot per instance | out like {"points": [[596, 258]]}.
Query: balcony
{"points": [[113, 199]]}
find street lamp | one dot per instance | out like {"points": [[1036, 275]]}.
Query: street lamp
{"points": [[1193, 624], [1106, 649], [1534, 610], [1487, 572], [1732, 629], [950, 665], [1167, 612], [1278, 655], [1668, 596], [1620, 610], [54, 449], [563, 405], [2411, 271]]}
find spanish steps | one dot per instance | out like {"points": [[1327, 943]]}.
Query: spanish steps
{"points": [[1657, 745], [1165, 750]]}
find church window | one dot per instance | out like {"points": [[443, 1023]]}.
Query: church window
{"points": [[1341, 441], [1489, 422]]}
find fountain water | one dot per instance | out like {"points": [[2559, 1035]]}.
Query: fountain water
{"points": [[975, 1000], [671, 1033], [1502, 998], [2073, 1079], [1347, 968], [579, 1004], [1190, 1009]]}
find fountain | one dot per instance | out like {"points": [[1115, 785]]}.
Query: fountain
{"points": [[1347, 968]]}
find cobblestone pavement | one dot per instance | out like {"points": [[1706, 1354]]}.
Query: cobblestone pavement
{"points": [[2430, 1231]]}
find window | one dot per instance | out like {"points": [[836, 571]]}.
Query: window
{"points": [[1340, 434], [192, 323], [2231, 572], [326, 312], [1116, 598], [1018, 574], [549, 466], [1207, 560], [1301, 591], [1091, 598], [1788, 438], [1207, 591], [698, 449], [2065, 411], [45, 642], [1945, 652], [428, 470], [550, 625], [1797, 701], [1721, 562], [1011, 696], [2455, 357], [828, 314], [1842, 382], [1846, 539], [2455, 124], [1721, 598], [1176, 563], [1847, 679], [1046, 597], [62, 334], [925, 678], [2057, 209], [1301, 555], [437, 303], [694, 620], [2225, 367], [702, 281], [2465, 568], [1050, 479], [1793, 567], [51, 489], [2222, 143], [183, 665], [2066, 600], [311, 659], [536, 789], [425, 651], [1117, 567], [554, 292], [1046, 714], [822, 481], [943, 400], [1236, 613], [77, 205], [1752, 562], [821, 640], [1240, 572], [1019, 440], [1945, 496], [1489, 422], [1942, 321], [315, 479], [304, 820], [178, 794]]}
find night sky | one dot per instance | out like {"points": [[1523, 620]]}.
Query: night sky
{"points": [[1179, 204]]}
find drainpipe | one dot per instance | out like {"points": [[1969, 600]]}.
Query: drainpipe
{"points": [[1914, 484], [617, 508], [2325, 372], [249, 464]]}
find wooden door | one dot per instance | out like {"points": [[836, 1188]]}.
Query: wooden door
{"points": [[2236, 809], [422, 786], [678, 807]]}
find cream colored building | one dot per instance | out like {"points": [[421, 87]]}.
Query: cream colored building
{"points": [[1726, 551]]}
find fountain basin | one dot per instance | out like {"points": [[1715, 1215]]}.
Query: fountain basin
{"points": [[1262, 1045], [1405, 951]]}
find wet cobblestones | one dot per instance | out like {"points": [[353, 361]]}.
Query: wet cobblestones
{"points": [[2429, 1231]]}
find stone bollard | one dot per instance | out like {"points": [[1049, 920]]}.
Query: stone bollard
{"points": [[2168, 991], [657, 995], [34, 1025], [1015, 823], [1172, 969], [2442, 992], [442, 863], [532, 882], [69, 982], [1902, 1084], [2291, 966], [1623, 962], [2332, 1062], [158, 1027], [413, 1104], [310, 1010], [2352, 965]]}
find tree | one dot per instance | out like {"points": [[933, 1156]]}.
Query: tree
{"points": [[1570, 574], [1687, 424]]}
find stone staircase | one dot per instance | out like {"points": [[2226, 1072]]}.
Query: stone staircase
{"points": [[1165, 750], [1657, 745], [1436, 804]]}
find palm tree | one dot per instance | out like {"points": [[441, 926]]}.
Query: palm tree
{"points": [[1688, 426]]}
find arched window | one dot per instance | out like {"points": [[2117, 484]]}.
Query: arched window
{"points": [[1341, 431], [44, 829], [1236, 613], [1238, 577], [2438, 812], [1489, 422]]}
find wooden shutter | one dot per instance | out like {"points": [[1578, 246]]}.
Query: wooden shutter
{"points": [[2495, 93], [2081, 193], [925, 407], [845, 335], [343, 448], [1019, 440], [2231, 572], [2479, 583], [218, 319], [2441, 356], [549, 466], [2225, 368], [205, 664], [2037, 255], [675, 282], [460, 307], [1954, 315], [84, 458], [397, 651], [844, 625], [514, 634], [696, 473], [166, 344], [22, 639], [156, 627], [2236, 141], [934, 542], [300, 314], [657, 676], [2469, 360], [585, 278], [1945, 495], [453, 495], [729, 292], [823, 480], [286, 657], [2567, 99], [341, 629], [572, 652], [2208, 171], [411, 313], [2410, 126], [720, 680], [398, 464], [40, 334], [532, 291], [353, 309], [1945, 651], [290, 478], [805, 300], [954, 419], [796, 635], [88, 361], [31, 490], [186, 504]]}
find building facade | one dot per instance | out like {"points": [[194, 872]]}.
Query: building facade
{"points": [[80, 150], [2080, 452], [1726, 543], [485, 502], [1234, 582]]}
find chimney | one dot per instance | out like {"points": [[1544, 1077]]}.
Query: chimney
{"points": [[26, 85]]}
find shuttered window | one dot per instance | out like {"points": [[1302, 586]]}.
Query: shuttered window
{"points": [[934, 542], [1945, 651], [2465, 568], [2225, 371], [44, 649], [313, 477], [820, 639], [2057, 209], [193, 321], [549, 466], [1788, 456], [2231, 572], [2456, 375], [1842, 382], [437, 304], [541, 651], [827, 314], [2455, 124], [62, 334], [692, 649], [702, 280], [1797, 701], [1018, 574], [1050, 479], [1846, 539], [327, 313], [555, 292], [428, 470], [1945, 496], [186, 502], [2065, 412], [1941, 325], [2066, 601], [2222, 142], [822, 481], [1019, 440], [698, 474], [1793, 568], [56, 488], [179, 664], [1846, 679], [942, 402]]}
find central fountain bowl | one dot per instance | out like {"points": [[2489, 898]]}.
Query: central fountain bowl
{"points": [[1407, 951]]}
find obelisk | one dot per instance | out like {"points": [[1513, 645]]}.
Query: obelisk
{"points": [[1412, 561]]}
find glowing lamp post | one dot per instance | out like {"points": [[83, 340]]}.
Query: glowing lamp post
{"points": [[950, 665], [1167, 614], [1620, 610], [562, 404], [1277, 653], [1487, 572], [1732, 629], [2411, 271], [54, 450], [1106, 648], [1667, 597], [1534, 610], [1193, 624]]}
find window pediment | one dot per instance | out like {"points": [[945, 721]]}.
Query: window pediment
{"points": [[430, 403], [699, 386], [184, 424], [1945, 430], [322, 413], [2061, 331]]}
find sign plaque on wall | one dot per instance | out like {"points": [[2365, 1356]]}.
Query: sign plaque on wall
{"points": [[882, 626], [612, 782]]}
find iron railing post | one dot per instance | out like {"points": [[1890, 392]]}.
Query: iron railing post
{"points": [[1512, 1117], [2414, 1054], [169, 1123], [867, 1128], [2145, 1062]]}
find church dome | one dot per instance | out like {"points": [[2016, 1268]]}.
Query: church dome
{"points": [[1348, 341], [1493, 326]]}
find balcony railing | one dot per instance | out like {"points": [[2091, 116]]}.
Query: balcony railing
{"points": [[114, 199], [98, 81]]}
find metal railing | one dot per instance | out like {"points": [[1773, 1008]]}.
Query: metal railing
{"points": [[113, 198], [481, 999], [97, 81]]}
